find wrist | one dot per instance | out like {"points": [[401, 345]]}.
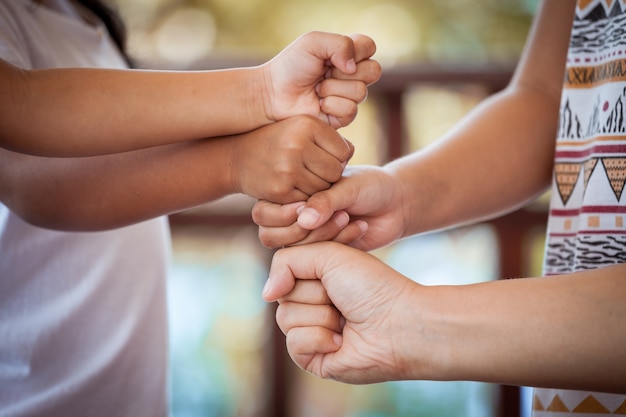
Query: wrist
{"points": [[242, 101], [261, 93], [401, 196], [424, 348]]}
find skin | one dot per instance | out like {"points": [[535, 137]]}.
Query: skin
{"points": [[452, 182], [102, 111], [141, 144], [349, 317], [286, 161]]}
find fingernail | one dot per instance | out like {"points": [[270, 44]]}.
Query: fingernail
{"points": [[308, 217], [351, 66], [338, 339], [342, 219]]}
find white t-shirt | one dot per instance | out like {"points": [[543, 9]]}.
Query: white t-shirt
{"points": [[82, 315]]}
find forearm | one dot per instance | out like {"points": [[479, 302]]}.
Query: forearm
{"points": [[563, 332], [499, 157], [96, 193], [495, 161], [99, 111]]}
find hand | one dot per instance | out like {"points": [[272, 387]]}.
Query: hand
{"points": [[370, 197], [324, 75], [344, 312], [289, 160]]}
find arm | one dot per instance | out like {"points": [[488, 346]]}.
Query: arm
{"points": [[497, 159], [500, 157], [83, 112], [349, 317], [284, 161]]}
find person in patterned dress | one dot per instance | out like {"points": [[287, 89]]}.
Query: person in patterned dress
{"points": [[349, 317]]}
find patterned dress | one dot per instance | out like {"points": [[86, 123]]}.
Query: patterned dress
{"points": [[587, 224]]}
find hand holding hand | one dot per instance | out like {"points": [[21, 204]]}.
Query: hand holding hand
{"points": [[370, 197], [320, 74], [343, 311]]}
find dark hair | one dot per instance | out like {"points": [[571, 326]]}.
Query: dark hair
{"points": [[111, 19]]}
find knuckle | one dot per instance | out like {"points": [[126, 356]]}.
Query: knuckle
{"points": [[258, 214], [266, 240], [282, 317]]}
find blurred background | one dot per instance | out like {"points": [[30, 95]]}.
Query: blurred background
{"points": [[439, 60]]}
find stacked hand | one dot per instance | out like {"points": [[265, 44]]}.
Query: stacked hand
{"points": [[311, 88], [364, 343], [320, 74]]}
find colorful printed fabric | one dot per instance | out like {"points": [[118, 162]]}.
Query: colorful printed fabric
{"points": [[587, 225]]}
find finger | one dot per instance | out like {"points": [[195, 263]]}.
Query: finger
{"points": [[302, 342], [355, 90], [351, 147], [368, 71], [312, 179], [285, 193], [294, 315], [340, 51], [364, 47], [321, 206], [269, 214], [351, 234], [307, 291], [341, 111], [291, 263], [323, 165], [293, 234], [330, 48], [330, 141], [331, 230], [278, 237]]}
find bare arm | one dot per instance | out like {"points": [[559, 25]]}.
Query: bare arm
{"points": [[500, 156], [84, 112], [349, 317], [284, 161]]}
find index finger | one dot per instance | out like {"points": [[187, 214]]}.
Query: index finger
{"points": [[364, 47]]}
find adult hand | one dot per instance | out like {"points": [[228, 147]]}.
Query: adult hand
{"points": [[343, 311], [321, 74], [369, 195]]}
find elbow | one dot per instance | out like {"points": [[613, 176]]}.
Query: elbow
{"points": [[65, 218]]}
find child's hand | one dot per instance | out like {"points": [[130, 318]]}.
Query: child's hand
{"points": [[367, 195], [288, 161], [324, 75]]}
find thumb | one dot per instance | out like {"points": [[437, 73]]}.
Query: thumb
{"points": [[350, 149], [333, 47], [364, 47], [320, 207]]}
